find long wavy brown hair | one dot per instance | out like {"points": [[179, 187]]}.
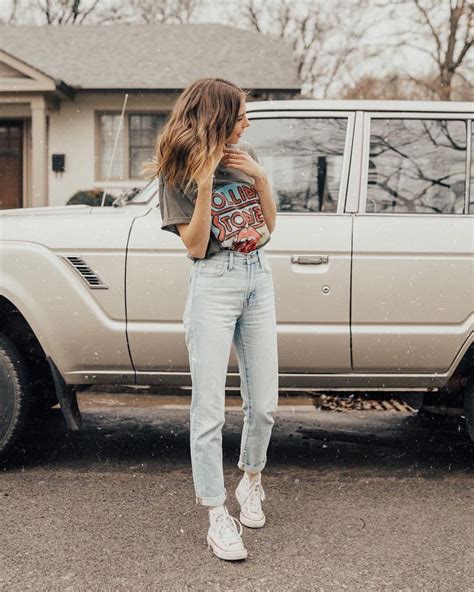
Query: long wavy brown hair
{"points": [[200, 122]]}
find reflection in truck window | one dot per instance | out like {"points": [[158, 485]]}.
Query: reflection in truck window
{"points": [[303, 158], [417, 166]]}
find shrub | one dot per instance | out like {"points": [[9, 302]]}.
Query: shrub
{"points": [[91, 197]]}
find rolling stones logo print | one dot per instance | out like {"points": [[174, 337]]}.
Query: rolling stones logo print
{"points": [[237, 220]]}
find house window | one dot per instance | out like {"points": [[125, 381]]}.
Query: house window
{"points": [[135, 145], [109, 125]]}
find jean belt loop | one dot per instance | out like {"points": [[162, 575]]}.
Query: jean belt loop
{"points": [[231, 260], [259, 256]]}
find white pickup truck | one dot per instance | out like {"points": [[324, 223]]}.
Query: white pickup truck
{"points": [[372, 257]]}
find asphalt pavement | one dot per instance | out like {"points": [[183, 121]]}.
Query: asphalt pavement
{"points": [[355, 500]]}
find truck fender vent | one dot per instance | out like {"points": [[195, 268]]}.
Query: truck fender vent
{"points": [[91, 278]]}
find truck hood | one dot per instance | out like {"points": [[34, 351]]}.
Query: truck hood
{"points": [[70, 228], [47, 210]]}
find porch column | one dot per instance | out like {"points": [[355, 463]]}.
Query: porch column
{"points": [[39, 153]]}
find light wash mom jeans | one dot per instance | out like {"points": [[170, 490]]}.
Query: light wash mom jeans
{"points": [[230, 300]]}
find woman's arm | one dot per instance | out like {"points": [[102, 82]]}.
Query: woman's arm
{"points": [[195, 235], [242, 160], [262, 186]]}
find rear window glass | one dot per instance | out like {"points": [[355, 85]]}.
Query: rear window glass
{"points": [[417, 166]]}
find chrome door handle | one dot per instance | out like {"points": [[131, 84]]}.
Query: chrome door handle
{"points": [[309, 259]]}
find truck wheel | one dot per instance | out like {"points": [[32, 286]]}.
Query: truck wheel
{"points": [[469, 408], [442, 403], [14, 395], [43, 397]]}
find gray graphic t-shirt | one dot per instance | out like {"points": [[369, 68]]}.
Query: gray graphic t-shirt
{"points": [[237, 222]]}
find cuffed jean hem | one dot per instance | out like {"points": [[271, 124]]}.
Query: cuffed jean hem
{"points": [[211, 501], [252, 469]]}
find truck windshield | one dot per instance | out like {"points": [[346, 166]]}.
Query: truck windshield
{"points": [[147, 193]]}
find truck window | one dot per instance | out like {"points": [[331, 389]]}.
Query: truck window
{"points": [[303, 157], [417, 166]]}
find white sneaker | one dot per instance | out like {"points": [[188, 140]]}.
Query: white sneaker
{"points": [[250, 494], [223, 536]]}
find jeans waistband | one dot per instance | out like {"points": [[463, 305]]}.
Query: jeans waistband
{"points": [[232, 257]]}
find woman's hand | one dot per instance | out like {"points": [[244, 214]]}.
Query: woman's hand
{"points": [[239, 159]]}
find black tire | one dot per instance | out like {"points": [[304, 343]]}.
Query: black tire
{"points": [[15, 397], [443, 403], [43, 397], [469, 408]]}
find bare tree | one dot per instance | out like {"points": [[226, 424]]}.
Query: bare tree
{"points": [[447, 38], [78, 12], [332, 42], [60, 12], [64, 12], [162, 11], [327, 38], [395, 86], [12, 15], [392, 86]]}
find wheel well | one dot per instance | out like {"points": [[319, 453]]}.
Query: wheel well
{"points": [[14, 326]]}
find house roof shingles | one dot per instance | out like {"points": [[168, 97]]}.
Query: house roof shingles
{"points": [[156, 56]]}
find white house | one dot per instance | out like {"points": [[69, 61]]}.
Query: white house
{"points": [[62, 89]]}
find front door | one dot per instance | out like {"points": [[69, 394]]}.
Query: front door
{"points": [[11, 164], [306, 155]]}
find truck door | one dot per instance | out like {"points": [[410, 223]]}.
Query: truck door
{"points": [[412, 285], [306, 155]]}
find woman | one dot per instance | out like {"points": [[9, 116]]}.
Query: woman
{"points": [[217, 198]]}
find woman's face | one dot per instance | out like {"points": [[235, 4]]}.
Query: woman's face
{"points": [[240, 125]]}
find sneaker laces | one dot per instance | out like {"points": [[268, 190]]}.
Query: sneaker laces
{"points": [[227, 527], [255, 495]]}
